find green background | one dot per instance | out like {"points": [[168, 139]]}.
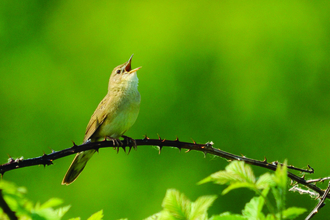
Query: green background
{"points": [[253, 77]]}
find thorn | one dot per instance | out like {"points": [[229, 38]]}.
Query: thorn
{"points": [[97, 149], [303, 176], [117, 149], [179, 149], [74, 144], [2, 173], [124, 148], [160, 149], [159, 138], [177, 139], [130, 148], [204, 154], [265, 160], [105, 138], [291, 182], [163, 140], [193, 141], [188, 150], [44, 154]]}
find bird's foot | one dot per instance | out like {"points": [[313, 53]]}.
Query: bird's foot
{"points": [[116, 143], [130, 142]]}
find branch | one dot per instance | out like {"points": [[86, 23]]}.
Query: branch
{"points": [[320, 204], [11, 215], [47, 159]]}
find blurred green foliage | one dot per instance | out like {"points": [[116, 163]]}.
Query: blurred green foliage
{"points": [[253, 77], [176, 206]]}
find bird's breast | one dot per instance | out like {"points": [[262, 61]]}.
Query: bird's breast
{"points": [[121, 116]]}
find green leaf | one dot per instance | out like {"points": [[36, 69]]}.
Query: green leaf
{"points": [[153, 217], [200, 206], [96, 216], [293, 212], [61, 211], [239, 185], [176, 204], [281, 177], [51, 203], [78, 218], [264, 181], [270, 217], [252, 209], [279, 189], [228, 216], [236, 171]]}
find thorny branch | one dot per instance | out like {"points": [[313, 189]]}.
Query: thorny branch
{"points": [[47, 159], [320, 204]]}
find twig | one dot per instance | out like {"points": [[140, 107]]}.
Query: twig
{"points": [[318, 180], [320, 204], [6, 208], [303, 191], [47, 159]]}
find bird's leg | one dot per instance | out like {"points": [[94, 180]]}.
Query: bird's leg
{"points": [[130, 142], [116, 142]]}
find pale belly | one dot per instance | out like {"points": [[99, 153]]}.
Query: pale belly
{"points": [[116, 125]]}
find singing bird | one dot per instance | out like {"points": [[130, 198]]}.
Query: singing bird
{"points": [[115, 114]]}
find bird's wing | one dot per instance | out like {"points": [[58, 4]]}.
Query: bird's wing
{"points": [[97, 119]]}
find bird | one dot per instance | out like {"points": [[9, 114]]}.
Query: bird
{"points": [[115, 114]]}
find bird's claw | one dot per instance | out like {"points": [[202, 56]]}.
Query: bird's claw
{"points": [[130, 142]]}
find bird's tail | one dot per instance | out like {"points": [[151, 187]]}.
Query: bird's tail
{"points": [[77, 165]]}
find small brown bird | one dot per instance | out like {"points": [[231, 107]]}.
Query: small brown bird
{"points": [[115, 114]]}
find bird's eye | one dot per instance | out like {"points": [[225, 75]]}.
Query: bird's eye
{"points": [[118, 71]]}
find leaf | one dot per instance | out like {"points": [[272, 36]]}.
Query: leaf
{"points": [[252, 209], [281, 177], [279, 189], [52, 202], [270, 217], [176, 204], [293, 212], [239, 185], [200, 206], [264, 181], [153, 217], [236, 171], [61, 211], [96, 216], [228, 216], [77, 218]]}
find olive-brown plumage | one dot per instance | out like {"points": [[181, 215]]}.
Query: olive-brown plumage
{"points": [[115, 114]]}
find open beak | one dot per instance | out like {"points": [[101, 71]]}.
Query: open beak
{"points": [[128, 66]]}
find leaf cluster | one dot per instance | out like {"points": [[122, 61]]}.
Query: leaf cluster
{"points": [[24, 209], [236, 175], [176, 206]]}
